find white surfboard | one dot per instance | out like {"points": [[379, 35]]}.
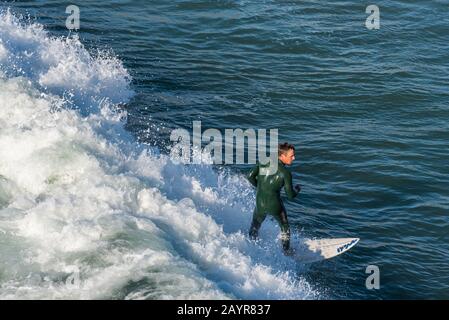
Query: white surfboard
{"points": [[320, 249]]}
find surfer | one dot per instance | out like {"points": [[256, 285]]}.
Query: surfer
{"points": [[268, 198]]}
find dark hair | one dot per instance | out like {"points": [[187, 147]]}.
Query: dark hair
{"points": [[284, 147]]}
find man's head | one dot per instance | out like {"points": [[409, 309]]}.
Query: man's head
{"points": [[286, 153]]}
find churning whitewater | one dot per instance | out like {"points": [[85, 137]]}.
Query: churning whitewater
{"points": [[86, 212]]}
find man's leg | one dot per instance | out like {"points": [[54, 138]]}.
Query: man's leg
{"points": [[285, 230], [258, 218]]}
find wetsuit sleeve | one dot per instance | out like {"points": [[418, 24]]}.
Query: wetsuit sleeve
{"points": [[288, 186], [252, 176]]}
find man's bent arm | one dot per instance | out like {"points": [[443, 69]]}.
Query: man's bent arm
{"points": [[252, 176], [288, 186]]}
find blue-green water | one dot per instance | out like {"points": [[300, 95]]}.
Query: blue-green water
{"points": [[366, 109]]}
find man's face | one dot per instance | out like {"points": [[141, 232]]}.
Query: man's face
{"points": [[287, 157]]}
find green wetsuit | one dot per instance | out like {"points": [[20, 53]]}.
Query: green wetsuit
{"points": [[268, 199]]}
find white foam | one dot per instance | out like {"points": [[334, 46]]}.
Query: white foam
{"points": [[3, 53], [62, 65], [88, 213]]}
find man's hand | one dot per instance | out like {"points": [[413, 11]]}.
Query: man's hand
{"points": [[298, 188]]}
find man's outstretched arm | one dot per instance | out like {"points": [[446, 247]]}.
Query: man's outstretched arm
{"points": [[252, 176]]}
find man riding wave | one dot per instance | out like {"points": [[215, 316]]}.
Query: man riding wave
{"points": [[268, 198]]}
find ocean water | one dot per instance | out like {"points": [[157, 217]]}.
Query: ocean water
{"points": [[91, 206]]}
